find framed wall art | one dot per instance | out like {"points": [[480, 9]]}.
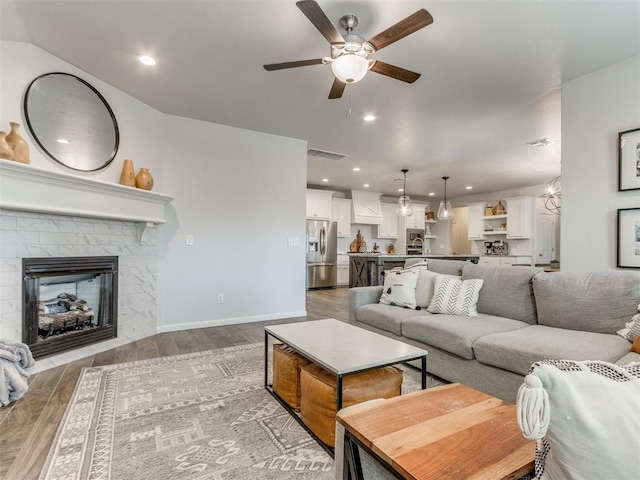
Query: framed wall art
{"points": [[629, 160], [628, 254]]}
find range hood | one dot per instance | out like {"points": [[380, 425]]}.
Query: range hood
{"points": [[366, 207]]}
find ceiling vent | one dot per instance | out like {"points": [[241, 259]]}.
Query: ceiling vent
{"points": [[325, 154], [543, 142]]}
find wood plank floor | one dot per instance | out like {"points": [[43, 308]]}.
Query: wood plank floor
{"points": [[28, 426]]}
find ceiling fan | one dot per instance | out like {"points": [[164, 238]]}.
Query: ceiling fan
{"points": [[349, 54]]}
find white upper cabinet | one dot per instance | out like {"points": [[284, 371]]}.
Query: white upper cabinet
{"points": [[475, 226], [341, 213], [319, 204], [389, 226], [519, 217], [417, 219]]}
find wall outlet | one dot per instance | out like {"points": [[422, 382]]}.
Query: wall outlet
{"points": [[190, 240], [293, 241], [221, 298]]}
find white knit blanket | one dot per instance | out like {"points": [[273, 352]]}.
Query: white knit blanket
{"points": [[16, 364]]}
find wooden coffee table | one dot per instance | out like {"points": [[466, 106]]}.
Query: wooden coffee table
{"points": [[450, 431]]}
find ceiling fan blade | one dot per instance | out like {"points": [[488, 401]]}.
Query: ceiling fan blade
{"points": [[337, 89], [316, 16], [412, 23], [394, 72], [299, 63]]}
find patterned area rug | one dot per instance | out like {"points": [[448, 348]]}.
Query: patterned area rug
{"points": [[195, 416]]}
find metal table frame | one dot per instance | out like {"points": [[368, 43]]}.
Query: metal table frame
{"points": [[339, 380]]}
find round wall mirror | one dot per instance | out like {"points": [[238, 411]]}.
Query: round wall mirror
{"points": [[71, 121]]}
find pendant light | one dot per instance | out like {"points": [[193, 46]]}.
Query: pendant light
{"points": [[445, 211], [404, 202], [553, 195]]}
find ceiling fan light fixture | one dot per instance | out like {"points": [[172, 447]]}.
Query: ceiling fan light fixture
{"points": [[350, 68]]}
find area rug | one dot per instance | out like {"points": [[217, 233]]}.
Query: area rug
{"points": [[194, 416]]}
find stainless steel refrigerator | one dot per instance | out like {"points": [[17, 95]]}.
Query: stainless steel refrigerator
{"points": [[322, 253]]}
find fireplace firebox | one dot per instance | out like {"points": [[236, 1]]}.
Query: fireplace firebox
{"points": [[68, 302]]}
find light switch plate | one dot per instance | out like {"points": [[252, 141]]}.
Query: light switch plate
{"points": [[189, 240], [293, 241]]}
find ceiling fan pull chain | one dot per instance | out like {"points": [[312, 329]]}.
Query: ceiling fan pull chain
{"points": [[348, 113]]}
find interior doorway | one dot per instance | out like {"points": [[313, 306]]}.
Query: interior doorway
{"points": [[460, 243]]}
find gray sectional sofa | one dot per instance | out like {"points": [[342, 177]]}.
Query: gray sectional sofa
{"points": [[524, 315]]}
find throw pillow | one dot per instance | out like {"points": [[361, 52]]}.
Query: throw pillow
{"points": [[400, 288], [455, 297], [584, 416], [636, 346], [631, 330], [426, 284]]}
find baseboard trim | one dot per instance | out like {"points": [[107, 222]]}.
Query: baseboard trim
{"points": [[228, 321]]}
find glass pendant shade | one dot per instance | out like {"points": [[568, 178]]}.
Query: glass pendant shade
{"points": [[445, 211], [404, 206], [350, 68]]}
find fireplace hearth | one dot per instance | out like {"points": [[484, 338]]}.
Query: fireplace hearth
{"points": [[68, 302]]}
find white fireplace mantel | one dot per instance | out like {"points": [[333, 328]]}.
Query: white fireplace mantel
{"points": [[28, 188]]}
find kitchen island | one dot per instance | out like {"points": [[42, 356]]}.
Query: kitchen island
{"points": [[367, 269]]}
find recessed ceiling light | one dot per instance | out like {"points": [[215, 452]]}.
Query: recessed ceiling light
{"points": [[366, 185], [147, 60], [468, 187], [431, 194], [369, 118], [356, 169], [64, 141], [325, 180]]}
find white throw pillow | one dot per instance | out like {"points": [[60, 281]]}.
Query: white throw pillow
{"points": [[585, 417], [426, 284], [400, 288], [455, 297]]}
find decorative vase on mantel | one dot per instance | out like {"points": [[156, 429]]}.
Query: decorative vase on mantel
{"points": [[6, 151], [18, 144], [144, 180], [128, 176]]}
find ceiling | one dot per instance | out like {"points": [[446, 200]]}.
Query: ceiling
{"points": [[491, 77]]}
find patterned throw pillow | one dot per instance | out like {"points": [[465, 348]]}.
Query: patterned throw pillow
{"points": [[584, 416], [400, 288], [631, 330], [455, 297]]}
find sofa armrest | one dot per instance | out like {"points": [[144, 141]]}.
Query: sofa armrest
{"points": [[362, 296]]}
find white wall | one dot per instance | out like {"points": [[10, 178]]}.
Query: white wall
{"points": [[595, 108], [241, 194], [140, 125]]}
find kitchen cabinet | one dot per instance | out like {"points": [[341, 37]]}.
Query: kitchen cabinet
{"points": [[417, 219], [497, 261], [319, 204], [519, 217], [341, 214], [475, 226], [343, 269], [389, 226]]}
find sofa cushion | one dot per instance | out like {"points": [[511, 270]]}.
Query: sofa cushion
{"points": [[455, 297], [517, 350], [592, 302], [386, 317], [506, 291], [400, 288], [448, 267], [453, 333]]}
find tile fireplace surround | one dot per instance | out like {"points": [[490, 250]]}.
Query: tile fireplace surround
{"points": [[51, 228]]}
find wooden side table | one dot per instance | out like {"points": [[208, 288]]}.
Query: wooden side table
{"points": [[450, 431]]}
